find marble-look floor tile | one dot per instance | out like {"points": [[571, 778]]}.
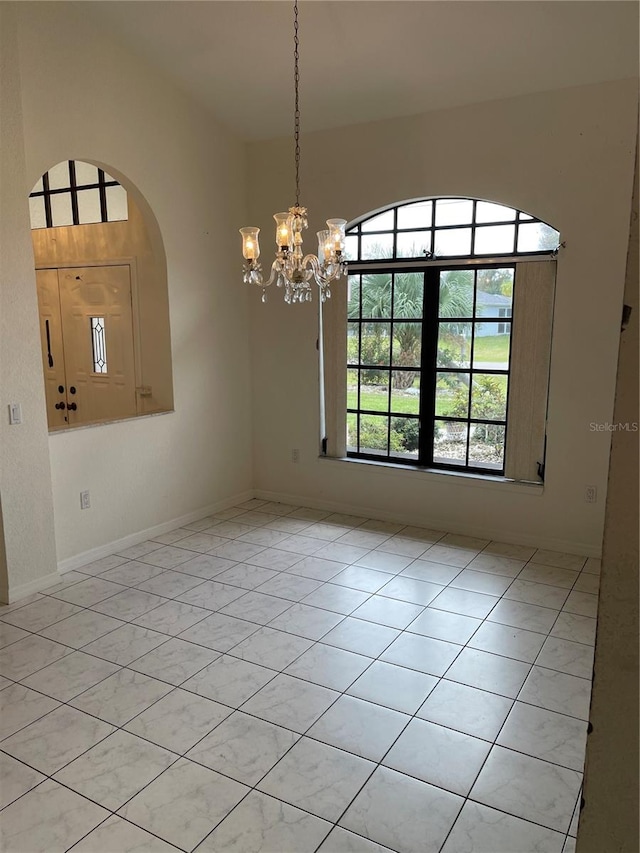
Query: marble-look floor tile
{"points": [[411, 590], [342, 553], [422, 653], [497, 564], [105, 563], [170, 584], [388, 527], [289, 525], [592, 566], [289, 586], [403, 546], [271, 648], [548, 575], [9, 634], [40, 614], [401, 813], [20, 706], [70, 676], [317, 778], [130, 573], [362, 538], [569, 845], [237, 551], [520, 615], [29, 655], [139, 550], [424, 570], [317, 569], [54, 740], [82, 628], [290, 702], [115, 769], [212, 595], [466, 709], [342, 841], [559, 559], [167, 557], [449, 555], [205, 567], [528, 788], [125, 644], [301, 544], [275, 559], [174, 661], [464, 602], [219, 632], [490, 672], [421, 534], [478, 581], [545, 734], [364, 638], [457, 540], [263, 536], [246, 576], [15, 779], [173, 617], [243, 747], [339, 599], [48, 819], [229, 680], [128, 604], [257, 607], [438, 755], [121, 696], [566, 656], [540, 594], [480, 829], [261, 824], [328, 666], [89, 592], [119, 835], [382, 561], [504, 640], [359, 577], [184, 803], [506, 549], [178, 720], [393, 686], [389, 612], [231, 529], [305, 621], [556, 691], [579, 629], [442, 625], [325, 532], [360, 727], [587, 583], [201, 542], [172, 536]]}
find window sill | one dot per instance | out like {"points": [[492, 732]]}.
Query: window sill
{"points": [[62, 430], [462, 478]]}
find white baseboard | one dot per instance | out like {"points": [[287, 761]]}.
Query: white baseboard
{"points": [[93, 554], [37, 585], [497, 533]]}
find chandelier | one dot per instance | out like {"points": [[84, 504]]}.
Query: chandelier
{"points": [[292, 269]]}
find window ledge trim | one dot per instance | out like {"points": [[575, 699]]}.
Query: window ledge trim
{"points": [[465, 478]]}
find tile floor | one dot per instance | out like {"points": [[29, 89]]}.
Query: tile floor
{"points": [[286, 680]]}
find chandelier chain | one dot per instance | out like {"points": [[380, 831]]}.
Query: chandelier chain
{"points": [[296, 81]]}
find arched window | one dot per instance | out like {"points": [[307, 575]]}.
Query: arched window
{"points": [[448, 328], [102, 296]]}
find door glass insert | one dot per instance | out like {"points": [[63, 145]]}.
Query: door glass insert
{"points": [[99, 345]]}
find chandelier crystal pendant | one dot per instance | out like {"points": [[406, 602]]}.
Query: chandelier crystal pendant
{"points": [[292, 269]]}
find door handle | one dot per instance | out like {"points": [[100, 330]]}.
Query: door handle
{"points": [[72, 390], [72, 407], [60, 406]]}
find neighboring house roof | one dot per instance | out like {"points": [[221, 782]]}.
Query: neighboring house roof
{"points": [[498, 299]]}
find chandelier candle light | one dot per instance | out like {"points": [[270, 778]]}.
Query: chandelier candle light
{"points": [[291, 269]]}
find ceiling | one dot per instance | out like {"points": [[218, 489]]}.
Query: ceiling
{"points": [[363, 60]]}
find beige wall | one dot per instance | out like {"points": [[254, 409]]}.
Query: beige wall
{"points": [[86, 97], [25, 476], [609, 820], [565, 156], [128, 239]]}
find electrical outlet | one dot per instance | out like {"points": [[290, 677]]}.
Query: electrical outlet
{"points": [[295, 455], [85, 500], [591, 494]]}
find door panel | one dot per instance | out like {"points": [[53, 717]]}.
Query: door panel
{"points": [[95, 304], [52, 347]]}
